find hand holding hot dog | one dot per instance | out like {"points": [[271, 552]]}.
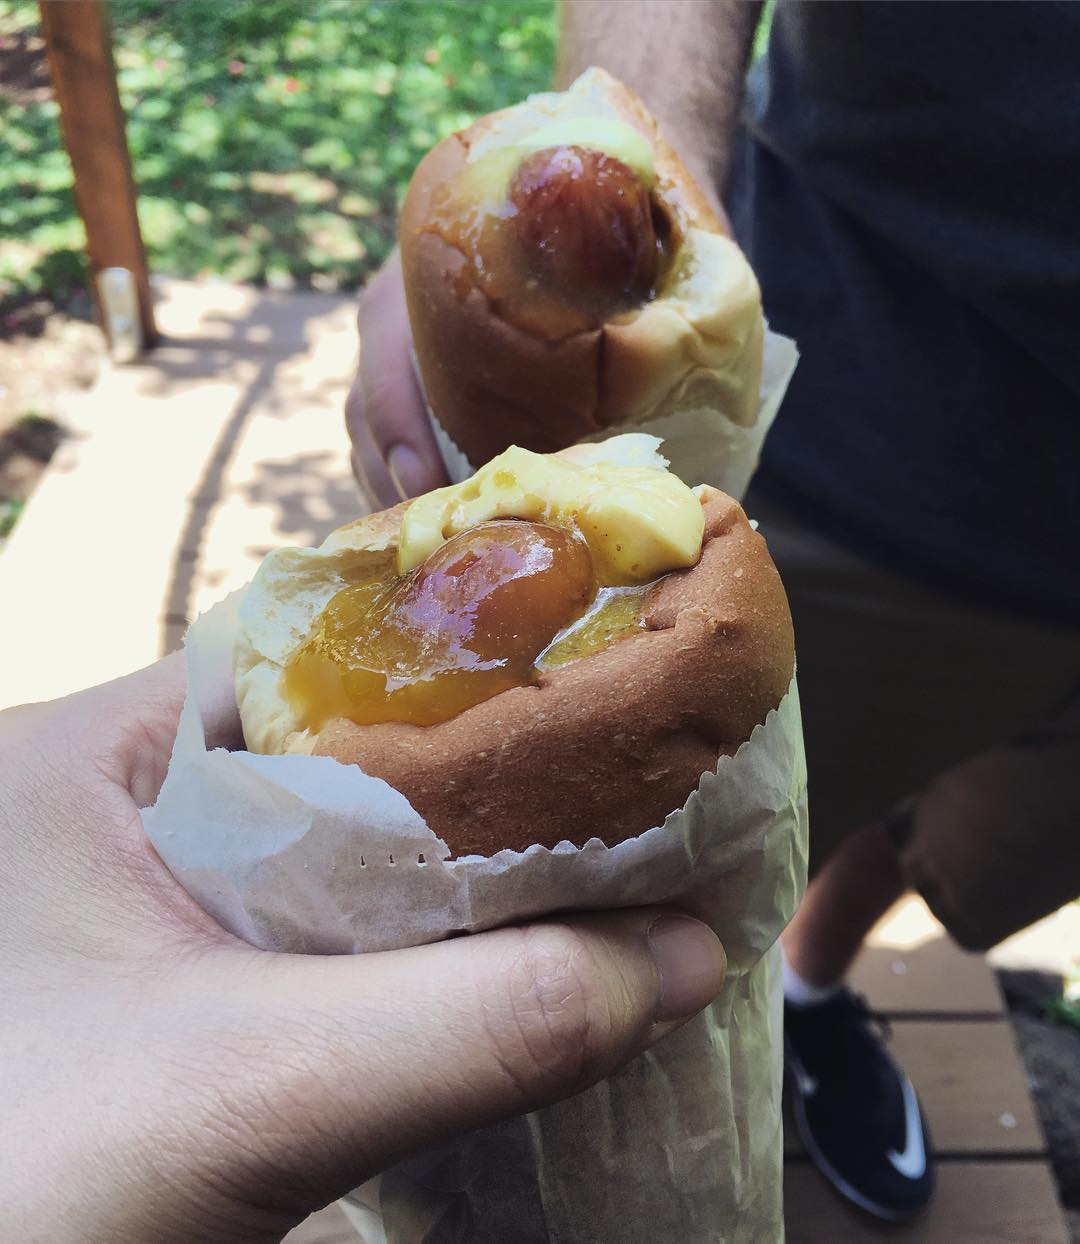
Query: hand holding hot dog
{"points": [[556, 277], [164, 1081], [394, 453]]}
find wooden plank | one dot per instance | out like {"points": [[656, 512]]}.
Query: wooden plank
{"points": [[910, 964], [84, 80], [982, 1202], [936, 977], [971, 1083]]}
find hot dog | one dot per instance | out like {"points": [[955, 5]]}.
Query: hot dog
{"points": [[584, 223], [565, 276], [555, 650]]}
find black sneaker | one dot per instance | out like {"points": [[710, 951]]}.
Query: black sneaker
{"points": [[854, 1108]]}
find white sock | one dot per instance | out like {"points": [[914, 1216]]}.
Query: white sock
{"points": [[800, 992]]}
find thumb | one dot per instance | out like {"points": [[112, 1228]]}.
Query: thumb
{"points": [[394, 451], [388, 1053]]}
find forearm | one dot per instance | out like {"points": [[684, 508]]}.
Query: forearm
{"points": [[686, 58]]}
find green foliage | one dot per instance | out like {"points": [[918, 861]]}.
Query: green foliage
{"points": [[271, 139], [10, 509], [1064, 1011]]}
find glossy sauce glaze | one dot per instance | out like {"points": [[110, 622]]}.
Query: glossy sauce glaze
{"points": [[559, 240], [478, 617]]}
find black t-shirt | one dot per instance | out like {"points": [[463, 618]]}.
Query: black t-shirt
{"points": [[908, 190]]}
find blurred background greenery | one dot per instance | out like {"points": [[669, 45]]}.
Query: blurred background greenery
{"points": [[271, 139]]}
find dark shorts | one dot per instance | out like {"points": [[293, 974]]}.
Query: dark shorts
{"points": [[955, 726]]}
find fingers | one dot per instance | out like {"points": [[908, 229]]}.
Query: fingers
{"points": [[125, 728], [383, 1054], [128, 726], [77, 769], [394, 450]]}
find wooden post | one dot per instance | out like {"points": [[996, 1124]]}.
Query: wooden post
{"points": [[84, 80]]}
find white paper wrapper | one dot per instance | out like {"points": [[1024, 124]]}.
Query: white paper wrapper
{"points": [[302, 854], [702, 444]]}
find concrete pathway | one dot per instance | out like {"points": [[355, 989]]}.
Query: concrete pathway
{"points": [[183, 471]]}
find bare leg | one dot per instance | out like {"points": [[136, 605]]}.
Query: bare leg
{"points": [[842, 904]]}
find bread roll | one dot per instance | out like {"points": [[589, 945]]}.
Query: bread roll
{"points": [[604, 746], [509, 354]]}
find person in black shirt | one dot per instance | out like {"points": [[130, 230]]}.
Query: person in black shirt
{"points": [[903, 179]]}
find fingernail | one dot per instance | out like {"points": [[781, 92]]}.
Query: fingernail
{"points": [[406, 470], [690, 962]]}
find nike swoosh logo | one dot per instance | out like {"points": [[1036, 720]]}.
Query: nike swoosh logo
{"points": [[912, 1162]]}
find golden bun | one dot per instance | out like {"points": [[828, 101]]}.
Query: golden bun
{"points": [[490, 383], [605, 746]]}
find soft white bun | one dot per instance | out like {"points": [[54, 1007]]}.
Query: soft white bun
{"points": [[603, 746], [697, 345], [292, 587]]}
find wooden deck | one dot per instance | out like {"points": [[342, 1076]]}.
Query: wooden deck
{"points": [[228, 441]]}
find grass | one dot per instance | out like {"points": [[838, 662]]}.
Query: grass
{"points": [[271, 139]]}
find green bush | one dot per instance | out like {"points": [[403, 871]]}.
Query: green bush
{"points": [[271, 139]]}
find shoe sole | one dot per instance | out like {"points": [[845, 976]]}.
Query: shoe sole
{"points": [[849, 1193]]}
